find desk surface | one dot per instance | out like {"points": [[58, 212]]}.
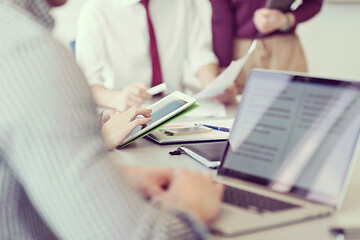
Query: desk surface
{"points": [[138, 154]]}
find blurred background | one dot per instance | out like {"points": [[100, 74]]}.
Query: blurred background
{"points": [[331, 39]]}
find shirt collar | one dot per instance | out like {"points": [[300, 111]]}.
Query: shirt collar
{"points": [[39, 9]]}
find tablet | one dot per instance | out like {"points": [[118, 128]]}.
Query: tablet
{"points": [[162, 110]]}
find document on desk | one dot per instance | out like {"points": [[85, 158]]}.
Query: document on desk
{"points": [[159, 136], [227, 77]]}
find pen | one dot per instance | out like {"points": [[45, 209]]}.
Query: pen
{"points": [[157, 89], [214, 127]]}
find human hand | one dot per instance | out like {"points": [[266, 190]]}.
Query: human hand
{"points": [[106, 115], [149, 181], [194, 193], [268, 20], [133, 95], [229, 96], [120, 124]]}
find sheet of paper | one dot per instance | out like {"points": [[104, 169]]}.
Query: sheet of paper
{"points": [[227, 77]]}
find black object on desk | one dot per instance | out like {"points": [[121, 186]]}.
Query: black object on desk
{"points": [[282, 5], [208, 154]]}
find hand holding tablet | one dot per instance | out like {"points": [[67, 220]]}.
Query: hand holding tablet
{"points": [[163, 111]]}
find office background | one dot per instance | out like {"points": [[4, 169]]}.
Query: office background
{"points": [[331, 40]]}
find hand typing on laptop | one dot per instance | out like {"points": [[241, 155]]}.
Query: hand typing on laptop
{"points": [[180, 190], [194, 193]]}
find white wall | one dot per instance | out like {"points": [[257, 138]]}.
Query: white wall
{"points": [[331, 40], [66, 20]]}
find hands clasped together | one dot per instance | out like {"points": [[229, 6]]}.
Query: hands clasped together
{"points": [[268, 20]]}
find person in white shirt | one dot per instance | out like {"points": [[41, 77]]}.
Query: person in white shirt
{"points": [[112, 47]]}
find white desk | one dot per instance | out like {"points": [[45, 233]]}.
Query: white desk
{"points": [[146, 153]]}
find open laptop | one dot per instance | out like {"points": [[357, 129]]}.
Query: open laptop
{"points": [[290, 152]]}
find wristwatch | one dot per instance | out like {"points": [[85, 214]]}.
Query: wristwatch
{"points": [[286, 27]]}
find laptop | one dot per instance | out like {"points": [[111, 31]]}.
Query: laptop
{"points": [[290, 152]]}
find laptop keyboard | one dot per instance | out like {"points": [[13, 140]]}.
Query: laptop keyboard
{"points": [[248, 200]]}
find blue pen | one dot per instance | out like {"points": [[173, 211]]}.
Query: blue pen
{"points": [[214, 127]]}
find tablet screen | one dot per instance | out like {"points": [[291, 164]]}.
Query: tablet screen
{"points": [[161, 110]]}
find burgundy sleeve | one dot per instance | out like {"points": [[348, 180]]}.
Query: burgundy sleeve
{"points": [[307, 10], [223, 30]]}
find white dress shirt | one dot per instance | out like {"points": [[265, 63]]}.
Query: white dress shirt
{"points": [[112, 43]]}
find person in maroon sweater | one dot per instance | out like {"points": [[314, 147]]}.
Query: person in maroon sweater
{"points": [[235, 23]]}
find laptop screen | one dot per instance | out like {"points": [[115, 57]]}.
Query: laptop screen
{"points": [[295, 134]]}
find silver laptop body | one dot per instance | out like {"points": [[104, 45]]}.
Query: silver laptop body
{"points": [[292, 147]]}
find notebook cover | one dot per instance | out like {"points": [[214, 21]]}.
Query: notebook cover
{"points": [[211, 151]]}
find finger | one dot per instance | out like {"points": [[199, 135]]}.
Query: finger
{"points": [[144, 94], [140, 121], [265, 11], [144, 111], [221, 97], [234, 90], [131, 113], [169, 173], [154, 190], [141, 86], [140, 89], [106, 115]]}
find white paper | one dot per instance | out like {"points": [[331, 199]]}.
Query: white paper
{"points": [[227, 77]]}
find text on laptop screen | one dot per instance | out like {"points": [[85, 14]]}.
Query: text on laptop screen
{"points": [[295, 134]]}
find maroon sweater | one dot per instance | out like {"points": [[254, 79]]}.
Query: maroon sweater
{"points": [[234, 19]]}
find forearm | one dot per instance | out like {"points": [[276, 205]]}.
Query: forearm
{"points": [[208, 73], [105, 97], [307, 10], [223, 30]]}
